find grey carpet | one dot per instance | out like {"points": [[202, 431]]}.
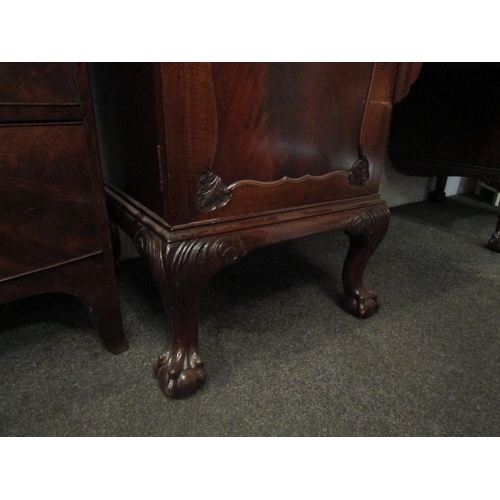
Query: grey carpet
{"points": [[282, 358]]}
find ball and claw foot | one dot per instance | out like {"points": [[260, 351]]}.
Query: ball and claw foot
{"points": [[180, 371], [494, 243], [363, 304]]}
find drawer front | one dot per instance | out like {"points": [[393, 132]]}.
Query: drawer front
{"points": [[38, 84], [47, 209]]}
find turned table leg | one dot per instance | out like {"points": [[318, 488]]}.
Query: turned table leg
{"points": [[366, 232]]}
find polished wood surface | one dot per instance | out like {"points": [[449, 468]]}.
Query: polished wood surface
{"points": [[174, 108], [39, 84], [449, 125], [239, 156], [286, 119], [53, 222], [47, 213]]}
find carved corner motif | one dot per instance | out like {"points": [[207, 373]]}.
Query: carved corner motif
{"points": [[371, 222], [360, 173], [189, 259], [199, 259], [212, 193]]}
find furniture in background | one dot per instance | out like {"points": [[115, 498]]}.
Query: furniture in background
{"points": [[54, 229], [208, 161], [449, 125], [480, 186]]}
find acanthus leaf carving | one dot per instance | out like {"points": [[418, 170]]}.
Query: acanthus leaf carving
{"points": [[360, 173], [192, 262], [201, 258], [212, 193]]}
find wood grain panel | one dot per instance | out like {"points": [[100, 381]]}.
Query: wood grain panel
{"points": [[48, 214], [280, 120], [38, 83]]}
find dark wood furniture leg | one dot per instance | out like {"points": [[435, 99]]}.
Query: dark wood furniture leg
{"points": [[438, 195], [494, 242], [102, 303], [79, 278], [181, 271], [365, 234]]}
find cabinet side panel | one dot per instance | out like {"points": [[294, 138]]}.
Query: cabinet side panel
{"points": [[126, 105]]}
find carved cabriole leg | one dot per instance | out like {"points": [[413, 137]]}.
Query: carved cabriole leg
{"points": [[181, 271], [365, 233]]}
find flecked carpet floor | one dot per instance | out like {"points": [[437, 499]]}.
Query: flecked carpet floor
{"points": [[282, 358]]}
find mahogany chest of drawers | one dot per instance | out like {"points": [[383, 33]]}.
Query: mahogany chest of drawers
{"points": [[54, 229]]}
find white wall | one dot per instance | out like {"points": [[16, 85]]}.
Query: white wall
{"points": [[397, 189]]}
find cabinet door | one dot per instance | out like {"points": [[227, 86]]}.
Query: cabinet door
{"points": [[47, 209], [247, 138]]}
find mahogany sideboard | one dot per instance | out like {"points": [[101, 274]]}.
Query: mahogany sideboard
{"points": [[449, 125], [207, 161], [54, 228]]}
